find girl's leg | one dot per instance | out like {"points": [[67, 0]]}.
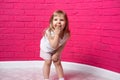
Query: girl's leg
{"points": [[46, 69], [59, 69]]}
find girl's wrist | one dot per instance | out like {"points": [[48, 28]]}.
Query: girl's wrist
{"points": [[57, 35]]}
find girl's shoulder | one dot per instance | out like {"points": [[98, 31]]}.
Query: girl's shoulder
{"points": [[49, 33]]}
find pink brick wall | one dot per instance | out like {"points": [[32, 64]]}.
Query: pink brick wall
{"points": [[94, 24]]}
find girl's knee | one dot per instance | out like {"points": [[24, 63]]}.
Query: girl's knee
{"points": [[55, 59], [57, 63], [48, 62]]}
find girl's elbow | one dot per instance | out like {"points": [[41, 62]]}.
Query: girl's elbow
{"points": [[54, 46]]}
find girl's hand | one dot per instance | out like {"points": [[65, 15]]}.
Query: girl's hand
{"points": [[55, 57], [57, 29]]}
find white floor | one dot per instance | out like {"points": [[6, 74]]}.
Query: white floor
{"points": [[32, 70]]}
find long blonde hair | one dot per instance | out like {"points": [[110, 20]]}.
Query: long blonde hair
{"points": [[58, 12]]}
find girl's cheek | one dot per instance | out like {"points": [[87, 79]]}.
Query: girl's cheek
{"points": [[55, 25]]}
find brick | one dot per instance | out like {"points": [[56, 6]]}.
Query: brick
{"points": [[63, 6], [12, 42], [29, 36], [110, 33], [49, 12], [87, 31], [24, 55], [110, 26], [111, 11], [24, 18], [24, 30], [7, 54], [6, 5], [2, 24], [29, 6], [1, 11], [41, 18], [110, 48], [34, 25], [34, 12], [25, 1], [110, 40], [31, 48], [111, 4], [40, 6], [20, 42], [6, 30], [11, 1], [86, 12], [12, 48], [37, 36], [6, 43], [13, 24], [106, 54], [19, 6], [90, 5], [13, 36], [29, 42], [101, 19], [1, 0], [13, 12], [6, 18], [66, 1], [109, 61], [1, 48], [24, 6], [86, 18], [114, 19], [115, 48]]}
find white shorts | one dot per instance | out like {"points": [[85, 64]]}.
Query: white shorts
{"points": [[45, 55]]}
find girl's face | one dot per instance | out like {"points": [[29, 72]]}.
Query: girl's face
{"points": [[60, 21]]}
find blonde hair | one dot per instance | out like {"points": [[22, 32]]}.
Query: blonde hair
{"points": [[59, 12]]}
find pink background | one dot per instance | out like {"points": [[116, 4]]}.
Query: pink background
{"points": [[94, 25]]}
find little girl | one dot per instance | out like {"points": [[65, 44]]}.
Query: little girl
{"points": [[53, 42]]}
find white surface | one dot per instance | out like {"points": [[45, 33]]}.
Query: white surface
{"points": [[69, 67]]}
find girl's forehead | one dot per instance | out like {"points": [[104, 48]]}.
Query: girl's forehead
{"points": [[58, 15]]}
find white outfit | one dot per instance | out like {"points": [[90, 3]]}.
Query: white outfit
{"points": [[45, 49]]}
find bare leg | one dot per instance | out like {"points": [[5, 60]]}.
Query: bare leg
{"points": [[46, 68], [59, 68]]}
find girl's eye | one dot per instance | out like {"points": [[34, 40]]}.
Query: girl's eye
{"points": [[55, 19], [61, 19]]}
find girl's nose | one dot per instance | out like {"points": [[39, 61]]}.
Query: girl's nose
{"points": [[58, 22]]}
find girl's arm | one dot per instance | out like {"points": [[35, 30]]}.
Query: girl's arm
{"points": [[59, 50], [56, 55], [54, 41]]}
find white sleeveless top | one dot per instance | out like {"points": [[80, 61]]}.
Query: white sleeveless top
{"points": [[45, 45]]}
